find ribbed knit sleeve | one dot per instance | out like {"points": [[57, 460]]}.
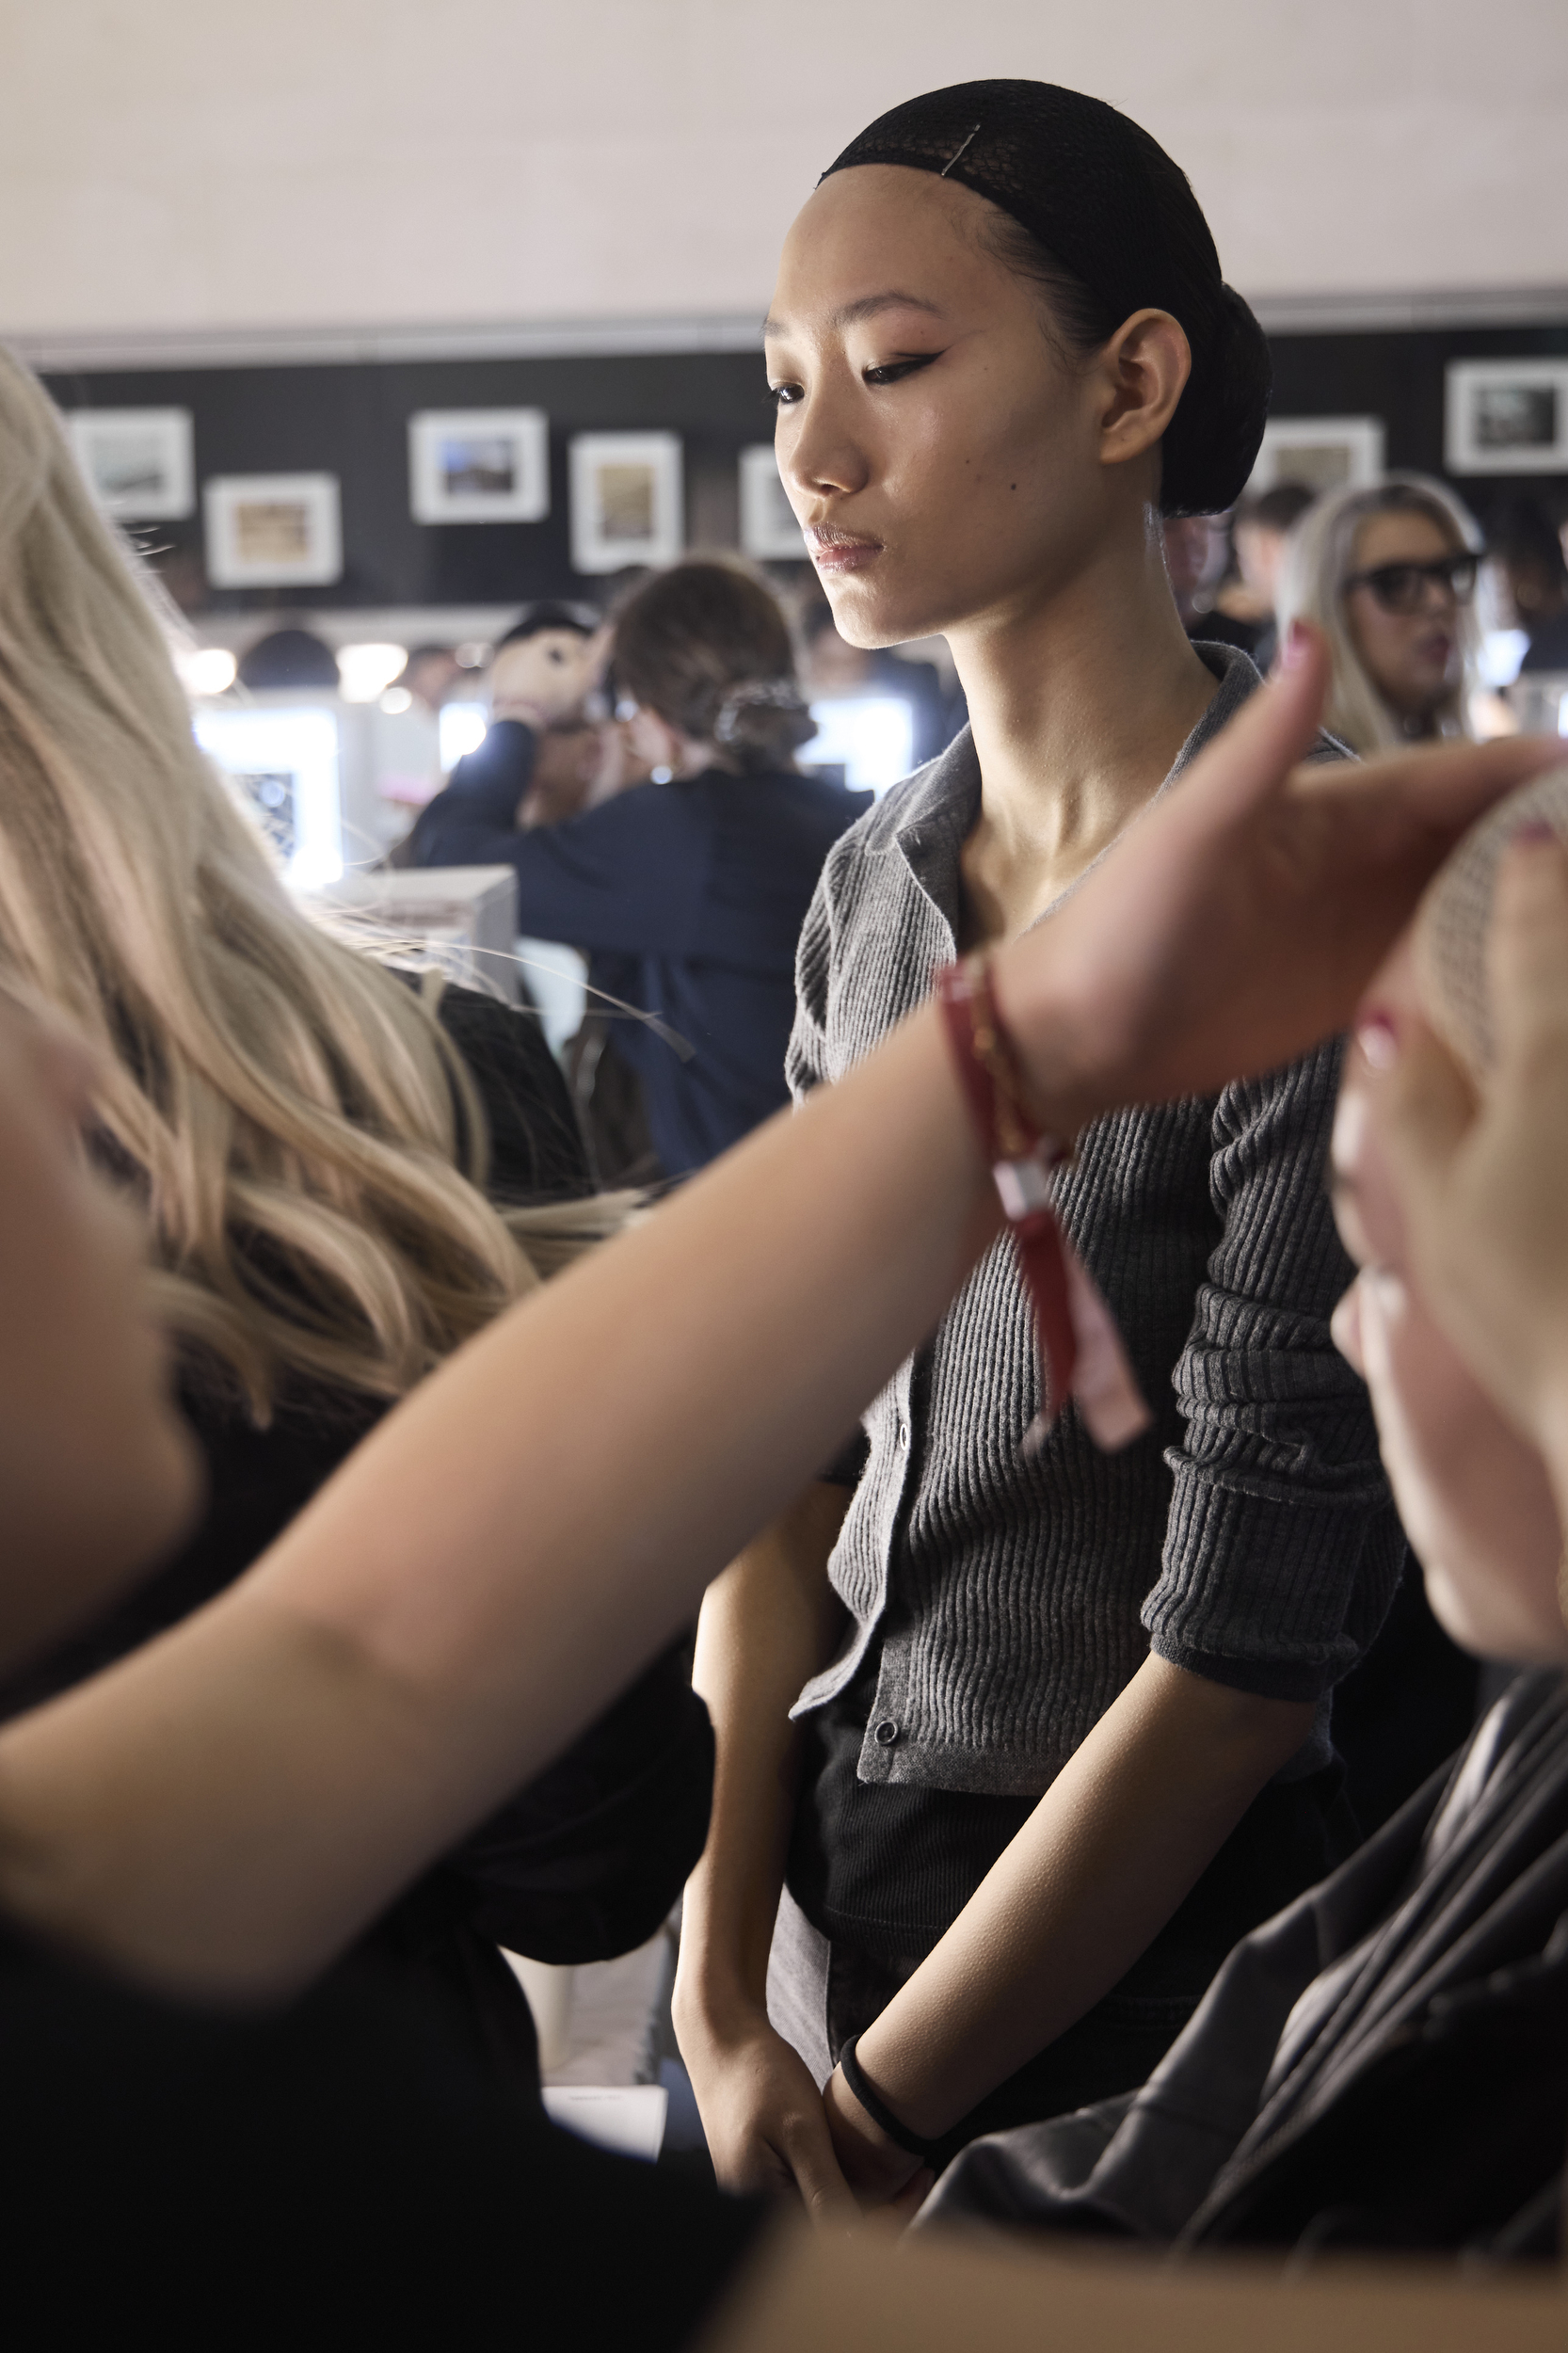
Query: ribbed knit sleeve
{"points": [[1281, 1547]]}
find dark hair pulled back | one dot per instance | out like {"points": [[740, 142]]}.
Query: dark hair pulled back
{"points": [[707, 646], [1095, 211]]}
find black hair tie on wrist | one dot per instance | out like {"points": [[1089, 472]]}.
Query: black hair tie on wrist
{"points": [[877, 2109]]}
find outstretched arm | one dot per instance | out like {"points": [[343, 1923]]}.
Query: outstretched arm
{"points": [[223, 1812]]}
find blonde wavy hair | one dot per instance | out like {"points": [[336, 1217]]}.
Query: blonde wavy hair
{"points": [[1319, 556], [311, 1148]]}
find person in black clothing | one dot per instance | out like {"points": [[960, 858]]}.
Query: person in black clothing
{"points": [[696, 886], [586, 1862], [348, 1172]]}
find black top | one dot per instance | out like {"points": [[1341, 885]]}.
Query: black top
{"points": [[339, 2173], [701, 887], [585, 1862]]}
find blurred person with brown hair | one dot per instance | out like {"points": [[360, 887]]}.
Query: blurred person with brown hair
{"points": [[697, 885], [1388, 574]]}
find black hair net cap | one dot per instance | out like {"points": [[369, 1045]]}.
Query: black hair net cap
{"points": [[1111, 207]]}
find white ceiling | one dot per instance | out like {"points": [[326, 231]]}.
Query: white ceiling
{"points": [[182, 166]]}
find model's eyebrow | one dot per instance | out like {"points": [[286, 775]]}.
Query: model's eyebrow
{"points": [[853, 313]]}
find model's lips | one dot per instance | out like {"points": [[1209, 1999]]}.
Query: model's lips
{"points": [[839, 551]]}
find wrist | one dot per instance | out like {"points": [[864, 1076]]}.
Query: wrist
{"points": [[882, 2118]]}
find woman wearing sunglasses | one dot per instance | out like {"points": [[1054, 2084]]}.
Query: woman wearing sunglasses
{"points": [[1389, 575]]}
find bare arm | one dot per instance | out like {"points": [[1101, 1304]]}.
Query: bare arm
{"points": [[224, 1811], [1126, 1827], [768, 1623]]}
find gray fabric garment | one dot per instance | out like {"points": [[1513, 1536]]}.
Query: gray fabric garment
{"points": [[1248, 1536], [800, 1961], [1424, 1984]]}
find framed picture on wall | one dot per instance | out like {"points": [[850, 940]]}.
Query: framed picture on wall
{"points": [[138, 461], [479, 465], [1320, 452], [626, 500], [272, 530], [1506, 416], [768, 527]]}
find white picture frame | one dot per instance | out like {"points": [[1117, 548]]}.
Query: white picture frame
{"points": [[140, 463], [1506, 416], [770, 531], [479, 465], [273, 530], [627, 500], [1320, 452]]}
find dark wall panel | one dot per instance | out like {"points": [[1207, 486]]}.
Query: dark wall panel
{"points": [[352, 421]]}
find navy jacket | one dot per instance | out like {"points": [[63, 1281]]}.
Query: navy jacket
{"points": [[698, 891]]}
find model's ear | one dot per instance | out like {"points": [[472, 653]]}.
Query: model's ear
{"points": [[1144, 370]]}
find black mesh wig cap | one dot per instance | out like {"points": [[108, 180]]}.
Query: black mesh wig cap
{"points": [[1113, 211]]}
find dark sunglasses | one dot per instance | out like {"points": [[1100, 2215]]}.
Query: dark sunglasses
{"points": [[1402, 587]]}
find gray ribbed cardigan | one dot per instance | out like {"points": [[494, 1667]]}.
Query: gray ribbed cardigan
{"points": [[1248, 1537]]}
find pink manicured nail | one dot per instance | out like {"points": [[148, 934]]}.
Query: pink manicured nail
{"points": [[1532, 833], [1378, 1036], [1293, 652]]}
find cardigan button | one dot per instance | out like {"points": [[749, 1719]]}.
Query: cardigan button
{"points": [[886, 1733]]}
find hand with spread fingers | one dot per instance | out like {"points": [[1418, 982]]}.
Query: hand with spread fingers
{"points": [[1242, 913]]}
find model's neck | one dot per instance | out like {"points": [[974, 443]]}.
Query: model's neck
{"points": [[1079, 705]]}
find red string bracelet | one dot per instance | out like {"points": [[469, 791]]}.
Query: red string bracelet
{"points": [[1082, 1353]]}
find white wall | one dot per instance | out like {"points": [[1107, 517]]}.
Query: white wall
{"points": [[200, 164]]}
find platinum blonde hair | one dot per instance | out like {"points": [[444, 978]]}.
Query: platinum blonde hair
{"points": [[310, 1147], [1319, 556]]}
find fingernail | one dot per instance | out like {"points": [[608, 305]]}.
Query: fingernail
{"points": [[1533, 832], [1377, 1035], [1293, 652]]}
